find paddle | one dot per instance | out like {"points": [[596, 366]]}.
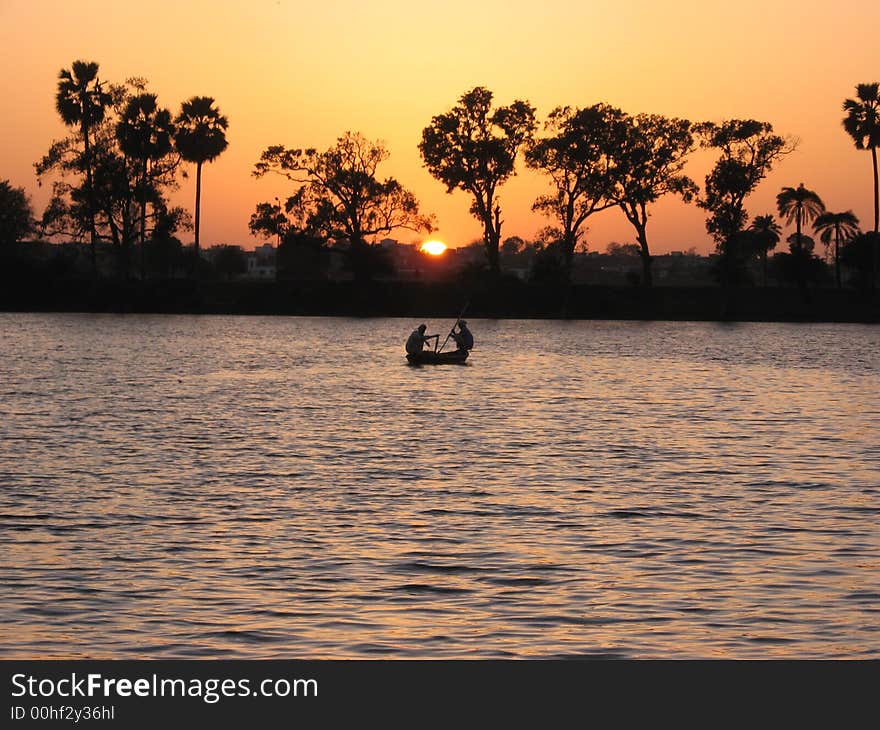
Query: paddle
{"points": [[457, 320]]}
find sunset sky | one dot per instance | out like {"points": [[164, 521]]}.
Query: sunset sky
{"points": [[301, 74]]}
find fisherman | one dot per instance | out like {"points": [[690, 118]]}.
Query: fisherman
{"points": [[463, 338], [415, 343]]}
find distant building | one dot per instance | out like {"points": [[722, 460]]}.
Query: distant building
{"points": [[258, 264], [262, 262]]}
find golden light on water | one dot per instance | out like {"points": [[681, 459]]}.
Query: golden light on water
{"points": [[435, 248]]}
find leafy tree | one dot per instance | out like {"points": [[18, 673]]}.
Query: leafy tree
{"points": [[229, 261], [302, 257], [862, 123], [766, 233], [81, 101], [200, 137], [16, 214], [299, 255], [799, 266], [164, 250], [748, 150], [839, 227], [857, 255], [341, 199], [145, 134], [516, 253], [269, 220], [647, 163], [575, 155], [800, 242], [547, 236], [473, 148], [732, 267], [513, 245], [623, 249], [548, 262], [106, 206]]}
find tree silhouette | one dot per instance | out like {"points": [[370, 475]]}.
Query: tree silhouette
{"points": [[473, 148], [801, 245], [145, 133], [16, 215], [839, 227], [857, 255], [340, 197], [200, 137], [799, 266], [766, 233], [269, 219], [80, 100], [862, 123], [799, 206], [623, 249], [106, 207], [229, 261], [748, 150], [648, 163], [302, 257], [575, 155], [164, 250], [513, 245], [548, 259]]}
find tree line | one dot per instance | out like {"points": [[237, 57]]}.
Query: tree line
{"points": [[594, 159], [113, 174]]}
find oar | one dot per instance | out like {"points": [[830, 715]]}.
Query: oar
{"points": [[458, 319]]}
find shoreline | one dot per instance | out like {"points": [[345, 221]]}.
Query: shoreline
{"points": [[503, 300]]}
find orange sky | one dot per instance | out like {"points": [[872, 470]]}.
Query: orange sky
{"points": [[300, 74]]}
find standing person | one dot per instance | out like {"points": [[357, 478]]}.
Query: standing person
{"points": [[415, 343], [463, 338]]}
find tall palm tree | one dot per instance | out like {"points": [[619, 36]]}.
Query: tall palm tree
{"points": [[81, 101], [200, 138], [862, 123], [144, 132], [799, 206], [766, 233], [841, 227]]}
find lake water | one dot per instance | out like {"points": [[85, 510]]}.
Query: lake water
{"points": [[183, 486]]}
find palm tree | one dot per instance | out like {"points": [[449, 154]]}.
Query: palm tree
{"points": [[765, 235], [200, 138], [862, 123], [81, 101], [799, 206], [144, 132], [841, 227]]}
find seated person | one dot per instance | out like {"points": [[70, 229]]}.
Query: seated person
{"points": [[415, 343], [463, 338]]}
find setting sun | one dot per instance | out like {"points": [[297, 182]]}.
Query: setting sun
{"points": [[435, 248]]}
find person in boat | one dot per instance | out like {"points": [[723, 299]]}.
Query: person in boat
{"points": [[463, 338], [415, 343]]}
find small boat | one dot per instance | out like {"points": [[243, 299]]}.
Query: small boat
{"points": [[429, 357]]}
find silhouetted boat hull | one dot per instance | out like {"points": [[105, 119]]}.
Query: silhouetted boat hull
{"points": [[429, 357]]}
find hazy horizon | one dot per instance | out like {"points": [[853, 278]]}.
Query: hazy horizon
{"points": [[302, 76]]}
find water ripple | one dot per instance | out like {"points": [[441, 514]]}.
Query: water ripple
{"points": [[179, 487]]}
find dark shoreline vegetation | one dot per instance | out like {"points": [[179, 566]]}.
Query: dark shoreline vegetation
{"points": [[506, 299], [113, 175]]}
